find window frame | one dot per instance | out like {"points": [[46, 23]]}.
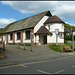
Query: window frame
{"points": [[26, 38], [61, 34], [10, 36], [19, 36], [49, 27]]}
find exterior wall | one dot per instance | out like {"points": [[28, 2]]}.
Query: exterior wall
{"points": [[4, 38], [41, 23], [7, 39], [32, 37], [0, 37], [53, 26], [36, 28], [13, 37]]}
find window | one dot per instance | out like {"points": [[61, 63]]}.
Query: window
{"points": [[28, 34], [61, 35], [0, 36], [49, 27], [18, 35], [11, 36]]}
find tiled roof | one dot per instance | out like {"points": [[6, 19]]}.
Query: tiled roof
{"points": [[53, 19], [25, 23], [43, 30]]}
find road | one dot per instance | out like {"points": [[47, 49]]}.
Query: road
{"points": [[64, 65]]}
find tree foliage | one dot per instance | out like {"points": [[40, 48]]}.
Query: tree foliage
{"points": [[68, 37], [67, 25]]}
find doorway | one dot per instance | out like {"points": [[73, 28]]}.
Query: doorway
{"points": [[45, 39]]}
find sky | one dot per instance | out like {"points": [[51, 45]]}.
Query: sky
{"points": [[11, 11]]}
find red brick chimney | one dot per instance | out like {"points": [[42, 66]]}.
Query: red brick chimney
{"points": [[71, 28]]}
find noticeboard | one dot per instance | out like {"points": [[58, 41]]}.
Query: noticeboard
{"points": [[73, 33], [56, 31]]}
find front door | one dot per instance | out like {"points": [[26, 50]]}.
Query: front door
{"points": [[45, 39]]}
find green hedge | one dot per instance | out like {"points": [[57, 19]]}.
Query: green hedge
{"points": [[19, 44], [0, 42]]}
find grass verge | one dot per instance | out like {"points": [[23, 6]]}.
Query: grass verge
{"points": [[59, 47]]}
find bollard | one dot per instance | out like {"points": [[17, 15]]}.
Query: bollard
{"points": [[18, 45], [4, 45], [24, 47], [31, 47]]}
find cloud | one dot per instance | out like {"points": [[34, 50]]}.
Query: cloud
{"points": [[4, 22], [66, 10], [63, 9], [28, 7]]}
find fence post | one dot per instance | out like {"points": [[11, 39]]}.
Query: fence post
{"points": [[4, 45], [24, 47], [18, 45]]}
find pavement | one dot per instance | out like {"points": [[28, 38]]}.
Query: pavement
{"points": [[16, 55]]}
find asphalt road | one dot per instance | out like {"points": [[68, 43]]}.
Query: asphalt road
{"points": [[64, 65]]}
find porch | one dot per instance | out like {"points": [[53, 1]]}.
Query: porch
{"points": [[41, 36]]}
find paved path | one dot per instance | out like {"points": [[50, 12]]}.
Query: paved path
{"points": [[14, 55]]}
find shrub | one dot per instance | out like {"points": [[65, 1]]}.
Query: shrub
{"points": [[0, 42], [10, 43], [27, 44]]}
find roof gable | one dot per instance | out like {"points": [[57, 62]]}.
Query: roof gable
{"points": [[43, 30], [53, 19]]}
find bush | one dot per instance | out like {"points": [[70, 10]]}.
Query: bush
{"points": [[10, 43], [65, 41], [0, 42], [68, 37], [27, 44]]}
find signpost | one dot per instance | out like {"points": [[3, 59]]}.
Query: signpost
{"points": [[56, 32], [73, 39]]}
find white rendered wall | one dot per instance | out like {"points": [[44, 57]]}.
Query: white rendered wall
{"points": [[0, 37], [37, 38], [4, 37], [53, 26], [24, 38], [9, 41], [41, 23]]}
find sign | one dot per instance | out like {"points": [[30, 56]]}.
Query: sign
{"points": [[56, 31], [73, 33]]}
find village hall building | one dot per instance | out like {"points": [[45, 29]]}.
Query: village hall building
{"points": [[36, 30]]}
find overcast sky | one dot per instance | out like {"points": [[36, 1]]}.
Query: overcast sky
{"points": [[11, 11]]}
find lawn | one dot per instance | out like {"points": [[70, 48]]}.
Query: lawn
{"points": [[59, 47]]}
